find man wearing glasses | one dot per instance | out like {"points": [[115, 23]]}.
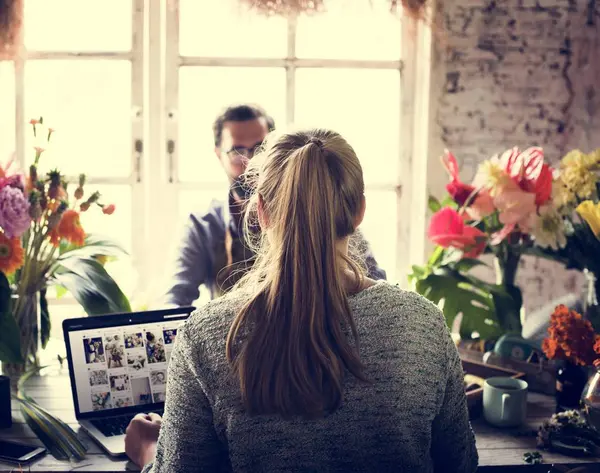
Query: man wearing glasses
{"points": [[213, 252]]}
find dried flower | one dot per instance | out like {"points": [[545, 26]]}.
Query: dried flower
{"points": [[55, 184], [85, 206], [14, 212], [78, 193], [92, 199], [35, 208], [54, 218]]}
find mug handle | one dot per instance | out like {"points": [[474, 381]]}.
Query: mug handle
{"points": [[505, 398]]}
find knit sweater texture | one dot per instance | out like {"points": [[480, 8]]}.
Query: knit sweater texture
{"points": [[412, 418]]}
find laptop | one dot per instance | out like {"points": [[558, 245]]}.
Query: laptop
{"points": [[118, 368]]}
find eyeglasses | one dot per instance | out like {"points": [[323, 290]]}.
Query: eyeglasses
{"points": [[242, 154]]}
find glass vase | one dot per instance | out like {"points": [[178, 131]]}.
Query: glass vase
{"points": [[510, 311], [26, 313], [590, 401], [570, 382]]}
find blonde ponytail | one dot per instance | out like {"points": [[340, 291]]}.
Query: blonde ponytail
{"points": [[295, 352]]}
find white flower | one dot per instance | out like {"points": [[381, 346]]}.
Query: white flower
{"points": [[549, 229]]}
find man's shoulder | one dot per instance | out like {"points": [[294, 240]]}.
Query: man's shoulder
{"points": [[209, 221]]}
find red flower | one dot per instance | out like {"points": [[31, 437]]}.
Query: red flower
{"points": [[458, 190], [529, 171], [447, 229]]}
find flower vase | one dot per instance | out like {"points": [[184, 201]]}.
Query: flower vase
{"points": [[26, 313], [570, 381], [509, 310], [590, 401]]}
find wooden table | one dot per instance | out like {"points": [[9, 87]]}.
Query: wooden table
{"points": [[499, 450]]}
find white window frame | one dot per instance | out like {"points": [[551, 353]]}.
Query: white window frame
{"points": [[136, 178], [413, 68], [154, 179]]}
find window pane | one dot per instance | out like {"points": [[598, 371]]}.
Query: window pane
{"points": [[77, 25], [89, 104], [362, 105], [203, 93], [362, 30], [224, 28], [7, 111], [118, 226], [379, 228]]}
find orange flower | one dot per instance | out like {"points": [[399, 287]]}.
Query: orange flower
{"points": [[571, 338], [11, 254], [69, 228], [108, 209]]}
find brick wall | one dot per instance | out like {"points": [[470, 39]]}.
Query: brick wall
{"points": [[517, 72]]}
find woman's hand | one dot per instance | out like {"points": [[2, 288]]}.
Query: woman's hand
{"points": [[141, 438]]}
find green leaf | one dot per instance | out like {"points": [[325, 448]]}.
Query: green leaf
{"points": [[45, 323], [460, 296], [95, 245], [466, 264], [60, 440], [10, 341], [448, 201], [434, 204], [436, 257], [92, 286]]}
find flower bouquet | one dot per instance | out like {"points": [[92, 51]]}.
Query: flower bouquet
{"points": [[576, 197], [43, 244], [502, 212]]}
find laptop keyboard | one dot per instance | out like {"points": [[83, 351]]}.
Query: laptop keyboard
{"points": [[111, 426]]}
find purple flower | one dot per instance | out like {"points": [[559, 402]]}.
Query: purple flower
{"points": [[14, 212]]}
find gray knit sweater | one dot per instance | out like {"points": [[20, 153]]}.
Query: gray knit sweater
{"points": [[412, 418]]}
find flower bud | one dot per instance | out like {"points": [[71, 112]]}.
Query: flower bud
{"points": [[108, 209]]}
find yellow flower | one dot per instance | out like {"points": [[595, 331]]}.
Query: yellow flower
{"points": [[579, 172], [590, 212], [562, 196], [492, 176]]}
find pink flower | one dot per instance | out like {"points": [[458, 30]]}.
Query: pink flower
{"points": [[447, 229], [482, 206], [515, 206], [14, 212], [529, 171], [16, 181]]}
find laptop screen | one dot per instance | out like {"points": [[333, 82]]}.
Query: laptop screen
{"points": [[121, 366]]}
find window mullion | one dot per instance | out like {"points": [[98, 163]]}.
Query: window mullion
{"points": [[20, 119], [290, 68], [137, 145]]}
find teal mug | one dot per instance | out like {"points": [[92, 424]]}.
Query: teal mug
{"points": [[505, 401]]}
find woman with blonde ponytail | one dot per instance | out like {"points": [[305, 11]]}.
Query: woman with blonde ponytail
{"points": [[308, 365]]}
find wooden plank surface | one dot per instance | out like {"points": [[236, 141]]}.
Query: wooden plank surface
{"points": [[497, 447]]}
